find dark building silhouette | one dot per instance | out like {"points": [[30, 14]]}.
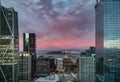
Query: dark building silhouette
{"points": [[9, 45], [29, 41], [107, 40], [52, 63], [43, 66]]}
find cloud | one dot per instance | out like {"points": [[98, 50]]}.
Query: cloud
{"points": [[57, 23]]}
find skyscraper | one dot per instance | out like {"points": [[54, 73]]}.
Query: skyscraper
{"points": [[108, 40], [87, 65], [66, 61], [9, 45], [29, 41], [43, 66], [59, 64], [52, 63], [87, 69], [25, 67]]}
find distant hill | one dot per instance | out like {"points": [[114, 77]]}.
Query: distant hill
{"points": [[55, 52], [62, 51]]}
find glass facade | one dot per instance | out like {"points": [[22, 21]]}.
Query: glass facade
{"points": [[108, 40], [25, 67], [43, 63], [29, 41], [9, 45], [87, 69]]}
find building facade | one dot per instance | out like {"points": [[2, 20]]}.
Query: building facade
{"points": [[29, 43], [59, 64], [9, 45], [87, 69], [43, 67], [52, 63], [108, 40], [24, 67], [66, 62]]}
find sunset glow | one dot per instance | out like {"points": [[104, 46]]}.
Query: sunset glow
{"points": [[58, 24]]}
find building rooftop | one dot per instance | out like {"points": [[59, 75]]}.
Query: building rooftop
{"points": [[51, 78], [59, 59]]}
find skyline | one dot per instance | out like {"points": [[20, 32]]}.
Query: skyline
{"points": [[58, 24]]}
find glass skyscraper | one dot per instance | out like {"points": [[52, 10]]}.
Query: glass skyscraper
{"points": [[24, 67], [87, 69], [108, 41], [9, 45], [29, 43]]}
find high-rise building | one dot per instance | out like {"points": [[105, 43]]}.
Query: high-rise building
{"points": [[9, 45], [29, 41], [108, 40], [66, 62], [52, 63], [59, 64], [43, 66], [87, 69], [24, 67]]}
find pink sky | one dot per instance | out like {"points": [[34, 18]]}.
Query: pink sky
{"points": [[57, 23]]}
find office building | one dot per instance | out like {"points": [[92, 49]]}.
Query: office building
{"points": [[43, 66], [25, 67], [107, 40], [92, 50], [87, 69], [9, 45], [59, 64], [71, 68], [66, 62], [52, 63], [29, 43], [66, 78], [51, 78]]}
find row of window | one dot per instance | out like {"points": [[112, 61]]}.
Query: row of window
{"points": [[116, 0]]}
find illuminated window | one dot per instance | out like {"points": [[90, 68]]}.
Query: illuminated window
{"points": [[9, 13]]}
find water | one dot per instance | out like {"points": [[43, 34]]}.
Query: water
{"points": [[72, 56]]}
